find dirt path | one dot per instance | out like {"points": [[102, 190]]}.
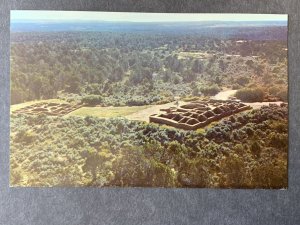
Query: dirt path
{"points": [[143, 115], [224, 95]]}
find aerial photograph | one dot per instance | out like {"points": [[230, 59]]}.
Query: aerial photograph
{"points": [[119, 99]]}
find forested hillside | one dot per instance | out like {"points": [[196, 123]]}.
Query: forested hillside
{"points": [[244, 151], [140, 68], [82, 96]]}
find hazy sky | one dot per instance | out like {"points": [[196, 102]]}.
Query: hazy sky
{"points": [[137, 17]]}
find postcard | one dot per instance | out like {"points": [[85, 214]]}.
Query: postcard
{"points": [[116, 99]]}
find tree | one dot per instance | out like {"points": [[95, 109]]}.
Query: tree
{"points": [[194, 173], [260, 69], [210, 90], [95, 163], [242, 80], [250, 94], [222, 65], [197, 66], [234, 172], [270, 174], [92, 100], [72, 84], [17, 95], [189, 76], [36, 87], [117, 74], [133, 169], [245, 49]]}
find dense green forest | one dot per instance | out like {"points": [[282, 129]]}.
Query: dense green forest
{"points": [[243, 151], [98, 69], [140, 69]]}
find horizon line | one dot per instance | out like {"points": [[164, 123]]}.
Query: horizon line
{"points": [[94, 16]]}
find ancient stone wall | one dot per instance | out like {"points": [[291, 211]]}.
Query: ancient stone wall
{"points": [[50, 109], [198, 114]]}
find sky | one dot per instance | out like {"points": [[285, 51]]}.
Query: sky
{"points": [[58, 16]]}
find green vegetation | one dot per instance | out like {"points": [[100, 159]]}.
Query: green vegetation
{"points": [[250, 94], [210, 90], [92, 100], [245, 150], [119, 69], [114, 75]]}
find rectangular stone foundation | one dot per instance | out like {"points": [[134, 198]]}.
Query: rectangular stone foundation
{"points": [[201, 116]]}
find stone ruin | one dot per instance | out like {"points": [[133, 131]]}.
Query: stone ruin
{"points": [[198, 114], [50, 109]]}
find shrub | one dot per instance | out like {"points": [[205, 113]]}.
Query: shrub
{"points": [[132, 168], [250, 94], [15, 177], [121, 152], [210, 90], [236, 86], [279, 140], [234, 172], [279, 91], [270, 174], [283, 95], [255, 148], [242, 81], [274, 90], [249, 63], [136, 102], [25, 136], [195, 173], [92, 100]]}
